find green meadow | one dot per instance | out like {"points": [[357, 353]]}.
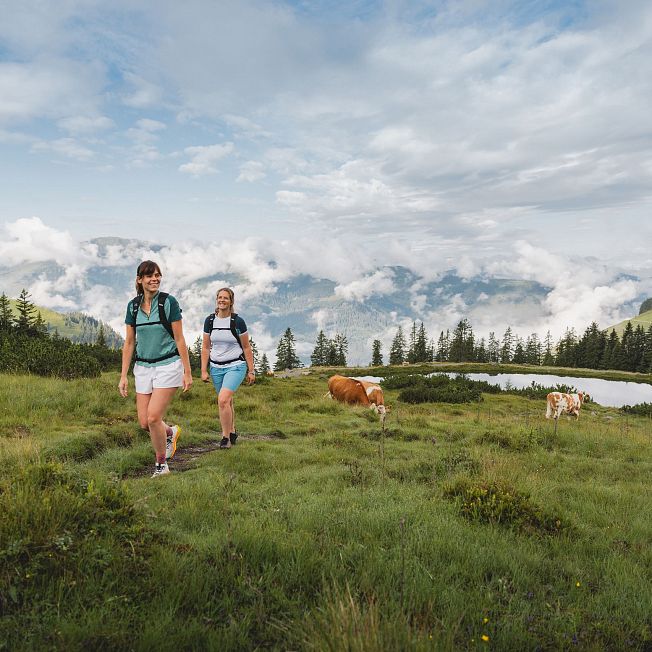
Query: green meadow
{"points": [[457, 527]]}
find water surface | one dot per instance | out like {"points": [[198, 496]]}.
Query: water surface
{"points": [[611, 393]]}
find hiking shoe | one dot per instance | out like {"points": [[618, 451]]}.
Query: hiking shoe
{"points": [[233, 436], [225, 442], [161, 469], [171, 442]]}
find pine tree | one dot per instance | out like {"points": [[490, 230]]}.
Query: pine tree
{"points": [[101, 339], [281, 355], [638, 348], [411, 353], [39, 327], [611, 355], [397, 350], [331, 354], [507, 348], [443, 346], [519, 352], [286, 356], [421, 345], [194, 353], [26, 309], [647, 356], [341, 346], [319, 357], [590, 348], [461, 346], [567, 349], [480, 353], [376, 355], [533, 350], [254, 351], [263, 370], [6, 315], [432, 349], [548, 353], [493, 348]]}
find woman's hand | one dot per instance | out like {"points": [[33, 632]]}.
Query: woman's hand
{"points": [[122, 386], [187, 380], [251, 377], [204, 376]]}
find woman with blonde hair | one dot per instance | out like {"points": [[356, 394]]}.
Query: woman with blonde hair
{"points": [[154, 330], [226, 353]]}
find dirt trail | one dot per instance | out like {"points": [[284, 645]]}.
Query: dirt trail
{"points": [[186, 456]]}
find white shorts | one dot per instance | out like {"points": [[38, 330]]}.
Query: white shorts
{"points": [[162, 376]]}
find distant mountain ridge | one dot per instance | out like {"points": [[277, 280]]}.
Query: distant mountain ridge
{"points": [[644, 319], [302, 302]]}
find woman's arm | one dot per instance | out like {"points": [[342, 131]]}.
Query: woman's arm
{"points": [[205, 355], [127, 353], [249, 357], [180, 341]]}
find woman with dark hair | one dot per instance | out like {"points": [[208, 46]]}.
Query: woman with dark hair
{"points": [[154, 329], [227, 349]]}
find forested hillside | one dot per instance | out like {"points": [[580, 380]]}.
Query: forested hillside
{"points": [[78, 327]]}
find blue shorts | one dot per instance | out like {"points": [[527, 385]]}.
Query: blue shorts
{"points": [[229, 377]]}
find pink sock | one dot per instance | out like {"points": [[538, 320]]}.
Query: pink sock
{"points": [[168, 431], [160, 459]]}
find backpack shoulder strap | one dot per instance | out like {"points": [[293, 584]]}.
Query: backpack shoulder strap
{"points": [[135, 304], [163, 318], [234, 330]]}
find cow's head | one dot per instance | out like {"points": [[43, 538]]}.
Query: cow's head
{"points": [[583, 397]]}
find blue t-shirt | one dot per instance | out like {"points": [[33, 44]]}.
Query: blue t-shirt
{"points": [[224, 346], [152, 339]]}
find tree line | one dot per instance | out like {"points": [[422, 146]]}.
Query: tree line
{"points": [[594, 349], [27, 347]]}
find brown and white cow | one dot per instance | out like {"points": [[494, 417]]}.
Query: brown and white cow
{"points": [[358, 392], [559, 404]]}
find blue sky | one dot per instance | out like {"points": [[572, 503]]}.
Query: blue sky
{"points": [[438, 134]]}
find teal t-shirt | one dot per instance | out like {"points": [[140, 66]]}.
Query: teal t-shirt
{"points": [[152, 340]]}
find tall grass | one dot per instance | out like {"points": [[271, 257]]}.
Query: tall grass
{"points": [[318, 531]]}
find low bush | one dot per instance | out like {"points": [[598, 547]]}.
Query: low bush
{"points": [[401, 381], [537, 391], [642, 409], [505, 506], [45, 356], [449, 393]]}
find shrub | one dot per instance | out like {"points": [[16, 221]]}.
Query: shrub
{"points": [[642, 409], [44, 356], [401, 381], [450, 393], [493, 503], [536, 391]]}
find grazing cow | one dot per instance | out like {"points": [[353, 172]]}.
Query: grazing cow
{"points": [[559, 404], [358, 392]]}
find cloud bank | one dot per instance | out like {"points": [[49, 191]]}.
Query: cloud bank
{"points": [[579, 291]]}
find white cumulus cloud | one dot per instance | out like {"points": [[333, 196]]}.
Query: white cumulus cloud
{"points": [[204, 157]]}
